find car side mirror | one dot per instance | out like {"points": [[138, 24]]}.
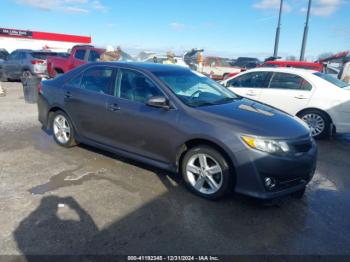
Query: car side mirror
{"points": [[159, 102]]}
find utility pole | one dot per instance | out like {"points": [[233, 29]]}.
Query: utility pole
{"points": [[306, 31], [277, 39]]}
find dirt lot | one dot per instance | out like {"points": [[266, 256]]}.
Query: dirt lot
{"points": [[84, 201]]}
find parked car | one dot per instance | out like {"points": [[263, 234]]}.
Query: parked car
{"points": [[294, 64], [177, 119], [3, 54], [218, 68], [79, 55], [317, 98], [25, 63], [246, 62]]}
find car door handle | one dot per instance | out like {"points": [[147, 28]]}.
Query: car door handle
{"points": [[68, 95], [251, 94], [301, 97], [113, 107]]}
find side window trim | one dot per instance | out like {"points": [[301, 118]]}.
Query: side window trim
{"points": [[271, 78]]}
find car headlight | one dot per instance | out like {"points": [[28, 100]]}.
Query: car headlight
{"points": [[267, 145]]}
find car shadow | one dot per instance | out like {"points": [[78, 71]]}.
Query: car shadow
{"points": [[174, 222]]}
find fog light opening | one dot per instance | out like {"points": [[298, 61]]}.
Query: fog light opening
{"points": [[270, 183]]}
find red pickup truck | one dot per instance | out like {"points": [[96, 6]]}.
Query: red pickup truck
{"points": [[80, 54]]}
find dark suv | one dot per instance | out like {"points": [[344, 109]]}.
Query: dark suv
{"points": [[25, 63], [177, 119]]}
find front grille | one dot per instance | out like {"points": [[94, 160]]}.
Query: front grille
{"points": [[283, 183]]}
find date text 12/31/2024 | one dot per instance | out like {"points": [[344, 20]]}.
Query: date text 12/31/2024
{"points": [[173, 258]]}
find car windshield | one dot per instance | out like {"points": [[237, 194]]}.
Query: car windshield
{"points": [[195, 89], [332, 80]]}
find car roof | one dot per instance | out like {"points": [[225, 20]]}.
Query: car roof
{"points": [[282, 62], [290, 70], [23, 50], [150, 67]]}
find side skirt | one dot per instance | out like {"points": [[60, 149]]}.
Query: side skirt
{"points": [[161, 165]]}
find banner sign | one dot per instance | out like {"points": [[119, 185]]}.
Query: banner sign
{"points": [[34, 35], [15, 33]]}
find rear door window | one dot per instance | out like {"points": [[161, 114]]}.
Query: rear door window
{"points": [[97, 79], [289, 81], [80, 54], [251, 80]]}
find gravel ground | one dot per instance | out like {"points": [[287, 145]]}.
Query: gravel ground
{"points": [[85, 201]]}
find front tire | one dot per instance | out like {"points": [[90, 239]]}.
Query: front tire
{"points": [[62, 129], [318, 122], [206, 172]]}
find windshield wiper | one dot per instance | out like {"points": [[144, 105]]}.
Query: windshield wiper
{"points": [[218, 102], [202, 103], [225, 100]]}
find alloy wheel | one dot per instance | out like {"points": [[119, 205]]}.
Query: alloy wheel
{"points": [[61, 129], [204, 173]]}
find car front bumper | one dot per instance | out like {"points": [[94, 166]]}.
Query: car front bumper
{"points": [[290, 173]]}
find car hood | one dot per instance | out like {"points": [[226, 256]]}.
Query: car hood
{"points": [[250, 117]]}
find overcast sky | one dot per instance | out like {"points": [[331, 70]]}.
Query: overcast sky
{"points": [[226, 27]]}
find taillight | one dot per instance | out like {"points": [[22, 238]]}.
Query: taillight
{"points": [[40, 87], [37, 61]]}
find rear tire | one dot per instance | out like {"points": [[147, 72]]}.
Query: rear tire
{"points": [[206, 172], [26, 74], [318, 121], [62, 129]]}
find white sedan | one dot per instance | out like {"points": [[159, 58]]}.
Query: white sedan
{"points": [[322, 101]]}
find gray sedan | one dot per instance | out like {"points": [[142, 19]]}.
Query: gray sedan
{"points": [[176, 119]]}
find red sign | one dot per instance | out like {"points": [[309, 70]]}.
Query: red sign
{"points": [[44, 36]]}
